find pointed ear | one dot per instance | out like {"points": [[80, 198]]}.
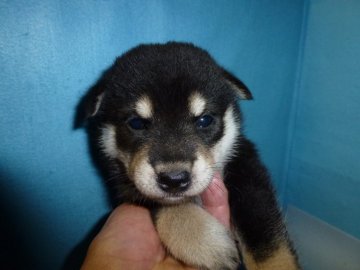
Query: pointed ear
{"points": [[89, 104], [240, 88]]}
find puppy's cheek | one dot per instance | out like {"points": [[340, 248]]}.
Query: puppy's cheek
{"points": [[223, 150], [202, 173], [109, 146], [143, 174]]}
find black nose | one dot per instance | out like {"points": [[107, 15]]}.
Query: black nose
{"points": [[174, 181]]}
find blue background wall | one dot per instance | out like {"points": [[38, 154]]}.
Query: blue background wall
{"points": [[52, 51], [324, 171]]}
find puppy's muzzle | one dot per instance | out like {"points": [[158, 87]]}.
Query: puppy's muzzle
{"points": [[174, 182]]}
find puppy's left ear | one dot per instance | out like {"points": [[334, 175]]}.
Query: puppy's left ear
{"points": [[240, 88]]}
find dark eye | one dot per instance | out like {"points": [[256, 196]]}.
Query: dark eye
{"points": [[204, 121], [138, 123]]}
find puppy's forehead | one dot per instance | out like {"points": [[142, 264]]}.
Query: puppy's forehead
{"points": [[190, 103]]}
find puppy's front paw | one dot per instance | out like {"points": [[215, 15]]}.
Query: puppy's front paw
{"points": [[196, 238]]}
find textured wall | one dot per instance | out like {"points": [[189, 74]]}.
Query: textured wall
{"points": [[324, 174], [52, 51]]}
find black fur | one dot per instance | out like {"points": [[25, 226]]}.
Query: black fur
{"points": [[169, 73], [253, 203]]}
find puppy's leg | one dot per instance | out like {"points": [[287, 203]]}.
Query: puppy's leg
{"points": [[256, 215], [280, 259], [265, 244], [195, 237]]}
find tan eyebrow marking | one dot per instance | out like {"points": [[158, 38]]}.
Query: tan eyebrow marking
{"points": [[144, 108], [196, 104]]}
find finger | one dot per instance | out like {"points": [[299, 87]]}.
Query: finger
{"points": [[171, 263], [129, 234], [215, 200]]}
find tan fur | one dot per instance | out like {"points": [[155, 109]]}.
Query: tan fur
{"points": [[222, 151], [281, 259], [99, 99], [197, 104], [107, 140], [173, 166], [201, 173], [195, 237], [144, 107], [137, 160], [143, 174], [206, 153], [109, 146]]}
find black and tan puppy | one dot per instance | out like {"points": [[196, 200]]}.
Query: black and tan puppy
{"points": [[165, 119]]}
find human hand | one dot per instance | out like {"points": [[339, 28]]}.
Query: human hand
{"points": [[129, 239]]}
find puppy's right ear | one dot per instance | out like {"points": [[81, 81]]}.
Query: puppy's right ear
{"points": [[89, 104]]}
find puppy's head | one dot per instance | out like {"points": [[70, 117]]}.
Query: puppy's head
{"points": [[168, 114]]}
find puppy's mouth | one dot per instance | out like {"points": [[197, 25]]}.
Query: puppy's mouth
{"points": [[173, 181], [174, 185]]}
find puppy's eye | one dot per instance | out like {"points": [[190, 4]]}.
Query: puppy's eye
{"points": [[204, 121], [138, 123]]}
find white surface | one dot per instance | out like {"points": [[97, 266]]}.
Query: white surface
{"points": [[320, 245]]}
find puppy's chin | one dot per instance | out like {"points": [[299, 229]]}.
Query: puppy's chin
{"points": [[165, 198], [169, 200], [153, 192]]}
